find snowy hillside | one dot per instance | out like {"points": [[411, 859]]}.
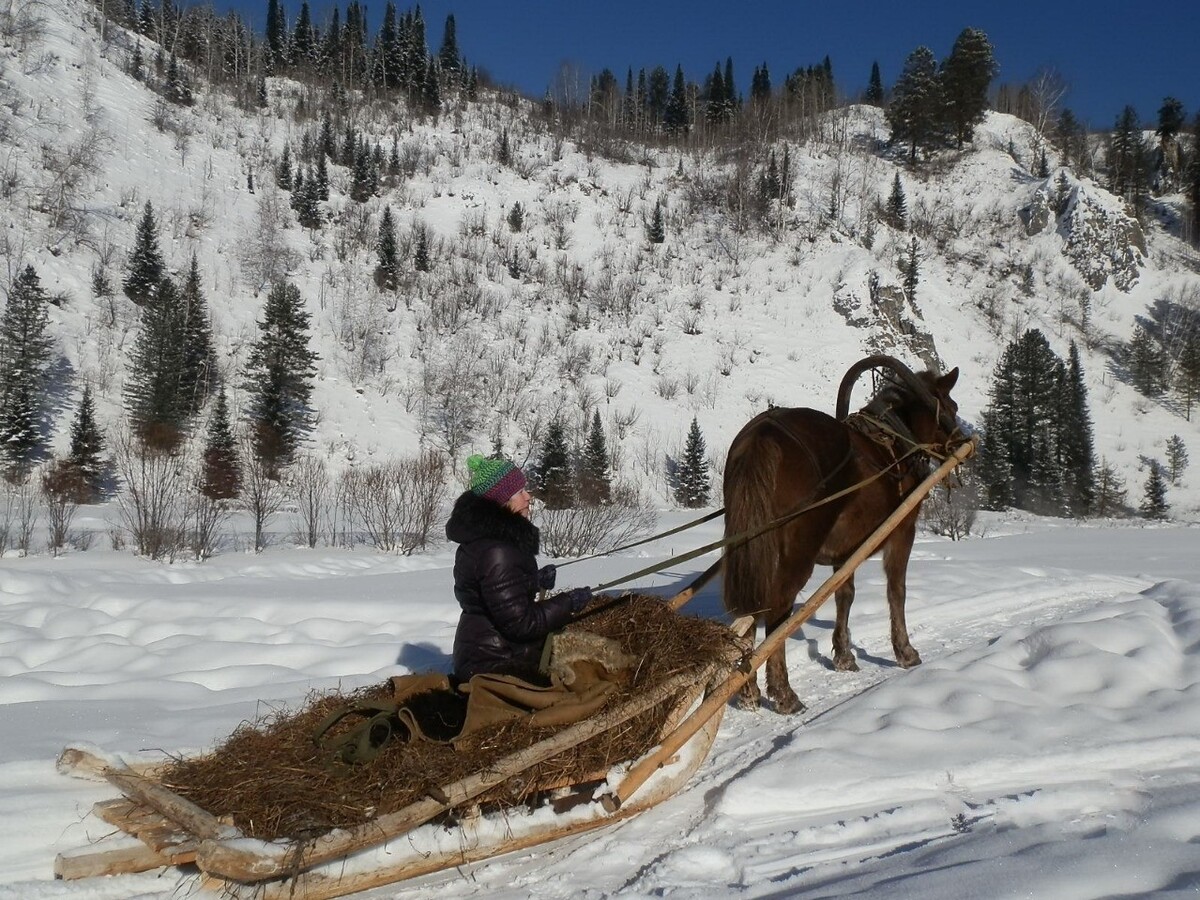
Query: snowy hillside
{"points": [[576, 311]]}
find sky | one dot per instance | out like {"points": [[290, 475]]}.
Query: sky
{"points": [[1109, 56]]}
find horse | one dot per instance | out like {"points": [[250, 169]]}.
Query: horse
{"points": [[832, 481]]}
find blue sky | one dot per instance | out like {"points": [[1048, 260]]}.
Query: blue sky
{"points": [[1109, 54]]}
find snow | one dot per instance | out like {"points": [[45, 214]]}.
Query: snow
{"points": [[1049, 745], [1046, 747]]}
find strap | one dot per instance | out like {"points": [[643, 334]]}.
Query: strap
{"points": [[362, 742]]}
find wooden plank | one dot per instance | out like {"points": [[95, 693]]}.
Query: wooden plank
{"points": [[88, 862], [196, 821], [716, 701], [235, 861]]}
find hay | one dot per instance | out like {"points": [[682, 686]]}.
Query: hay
{"points": [[269, 779]]}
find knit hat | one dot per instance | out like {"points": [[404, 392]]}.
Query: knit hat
{"points": [[496, 479]]}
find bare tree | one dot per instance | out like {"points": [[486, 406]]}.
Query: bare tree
{"points": [[61, 488], [264, 253], [311, 488], [263, 493], [598, 527], [396, 503], [153, 505]]}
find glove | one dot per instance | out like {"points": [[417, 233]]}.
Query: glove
{"points": [[545, 577], [579, 597]]}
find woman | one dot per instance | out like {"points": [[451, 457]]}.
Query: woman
{"points": [[496, 578]]}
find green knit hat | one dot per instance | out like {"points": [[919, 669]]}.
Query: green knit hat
{"points": [[496, 479]]}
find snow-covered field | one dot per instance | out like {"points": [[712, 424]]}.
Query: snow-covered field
{"points": [[1049, 746]]}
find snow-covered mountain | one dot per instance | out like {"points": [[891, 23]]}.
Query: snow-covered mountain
{"points": [[577, 311]]}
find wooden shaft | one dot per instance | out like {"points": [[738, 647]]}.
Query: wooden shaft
{"points": [[718, 698], [680, 599]]}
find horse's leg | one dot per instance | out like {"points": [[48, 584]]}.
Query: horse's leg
{"points": [[843, 656], [895, 565], [748, 695], [779, 689]]}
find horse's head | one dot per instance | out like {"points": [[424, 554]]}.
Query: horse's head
{"points": [[921, 401]]}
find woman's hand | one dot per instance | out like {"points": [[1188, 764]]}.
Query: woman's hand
{"points": [[546, 577]]}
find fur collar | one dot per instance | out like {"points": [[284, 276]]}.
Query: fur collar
{"points": [[474, 518]]}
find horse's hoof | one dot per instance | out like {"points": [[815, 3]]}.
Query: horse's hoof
{"points": [[747, 699], [908, 658], [845, 662], [789, 704]]}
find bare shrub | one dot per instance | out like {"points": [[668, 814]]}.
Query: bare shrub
{"points": [[311, 488], [153, 505], [396, 503], [593, 529], [263, 493], [205, 517], [951, 508], [61, 486]]}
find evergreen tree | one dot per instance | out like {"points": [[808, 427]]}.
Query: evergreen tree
{"points": [[554, 483], [155, 398], [895, 213], [306, 201], [1076, 453], [221, 470], [1154, 495], [1193, 182], [760, 87], [304, 40], [1022, 424], [283, 171], [24, 355], [431, 92], [994, 467], [276, 35], [714, 110], [1177, 458], [1147, 362], [675, 116], [199, 354], [966, 75], [516, 217], [363, 176], [656, 231], [421, 260], [874, 94], [448, 57], [916, 112], [1110, 490], [503, 149], [693, 484], [146, 266], [1128, 169], [910, 269], [595, 482], [279, 373], [387, 272], [85, 458]]}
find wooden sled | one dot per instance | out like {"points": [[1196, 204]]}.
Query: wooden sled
{"points": [[158, 828]]}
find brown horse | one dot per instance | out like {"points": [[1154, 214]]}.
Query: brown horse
{"points": [[785, 460]]}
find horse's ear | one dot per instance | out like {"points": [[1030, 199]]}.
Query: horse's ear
{"points": [[946, 382]]}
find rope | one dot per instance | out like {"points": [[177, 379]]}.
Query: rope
{"points": [[654, 537]]}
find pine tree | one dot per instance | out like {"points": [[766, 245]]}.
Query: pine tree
{"points": [[675, 115], [1177, 458], [917, 110], [387, 272], [965, 77], [283, 171], [199, 355], [276, 34], [595, 482], [555, 485], [1154, 496], [1147, 362], [279, 374], [693, 484], [1076, 453], [994, 467], [448, 57], [363, 176], [1193, 182], [306, 201], [221, 470], [146, 266], [895, 213], [85, 457], [421, 260], [25, 351], [874, 94], [656, 231], [516, 217], [156, 401], [910, 269], [1110, 490]]}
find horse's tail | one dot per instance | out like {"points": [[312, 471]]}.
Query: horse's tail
{"points": [[749, 566]]}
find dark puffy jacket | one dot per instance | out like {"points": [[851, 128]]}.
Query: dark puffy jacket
{"points": [[502, 627]]}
